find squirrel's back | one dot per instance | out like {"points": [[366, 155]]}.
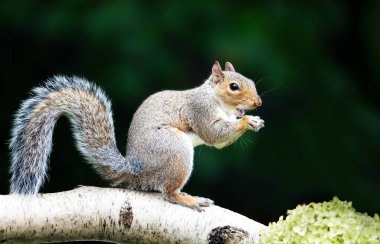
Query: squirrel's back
{"points": [[90, 113]]}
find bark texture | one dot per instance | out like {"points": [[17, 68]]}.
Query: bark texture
{"points": [[117, 215]]}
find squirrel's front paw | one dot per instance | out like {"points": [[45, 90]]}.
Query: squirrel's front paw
{"points": [[255, 123]]}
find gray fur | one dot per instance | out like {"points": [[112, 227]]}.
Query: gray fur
{"points": [[30, 150], [161, 137]]}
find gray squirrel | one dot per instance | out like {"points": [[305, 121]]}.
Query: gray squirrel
{"points": [[163, 132]]}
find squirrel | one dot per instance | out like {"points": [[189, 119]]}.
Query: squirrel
{"points": [[161, 138]]}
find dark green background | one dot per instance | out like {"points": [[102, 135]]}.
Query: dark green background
{"points": [[319, 60]]}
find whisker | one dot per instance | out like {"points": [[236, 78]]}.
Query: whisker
{"points": [[200, 150], [244, 142], [241, 144], [257, 82], [257, 73], [270, 90]]}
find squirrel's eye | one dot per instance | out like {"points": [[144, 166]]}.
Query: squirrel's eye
{"points": [[234, 86]]}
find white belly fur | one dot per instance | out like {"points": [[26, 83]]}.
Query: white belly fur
{"points": [[224, 113], [195, 139]]}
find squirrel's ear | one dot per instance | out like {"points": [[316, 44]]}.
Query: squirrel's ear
{"points": [[217, 73], [229, 67]]}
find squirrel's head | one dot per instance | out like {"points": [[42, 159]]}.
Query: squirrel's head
{"points": [[235, 91]]}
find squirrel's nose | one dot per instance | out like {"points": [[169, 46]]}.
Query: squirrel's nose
{"points": [[257, 102]]}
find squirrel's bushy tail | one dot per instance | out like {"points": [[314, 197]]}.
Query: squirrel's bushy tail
{"points": [[90, 114]]}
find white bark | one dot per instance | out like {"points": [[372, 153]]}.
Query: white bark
{"points": [[117, 215]]}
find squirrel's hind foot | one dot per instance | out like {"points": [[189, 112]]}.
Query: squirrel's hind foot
{"points": [[186, 200]]}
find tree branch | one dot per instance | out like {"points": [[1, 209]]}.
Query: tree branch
{"points": [[117, 215]]}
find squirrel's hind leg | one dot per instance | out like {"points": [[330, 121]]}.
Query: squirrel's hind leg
{"points": [[175, 166], [172, 193]]}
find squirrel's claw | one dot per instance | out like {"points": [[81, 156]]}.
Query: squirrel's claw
{"points": [[202, 202], [184, 199], [205, 202], [198, 208]]}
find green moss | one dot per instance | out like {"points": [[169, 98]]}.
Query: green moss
{"points": [[328, 222]]}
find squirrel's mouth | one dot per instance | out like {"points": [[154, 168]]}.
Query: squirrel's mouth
{"points": [[240, 112]]}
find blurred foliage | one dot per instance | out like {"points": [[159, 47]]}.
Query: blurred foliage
{"points": [[335, 221], [316, 63]]}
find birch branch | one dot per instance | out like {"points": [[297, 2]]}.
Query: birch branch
{"points": [[117, 215]]}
